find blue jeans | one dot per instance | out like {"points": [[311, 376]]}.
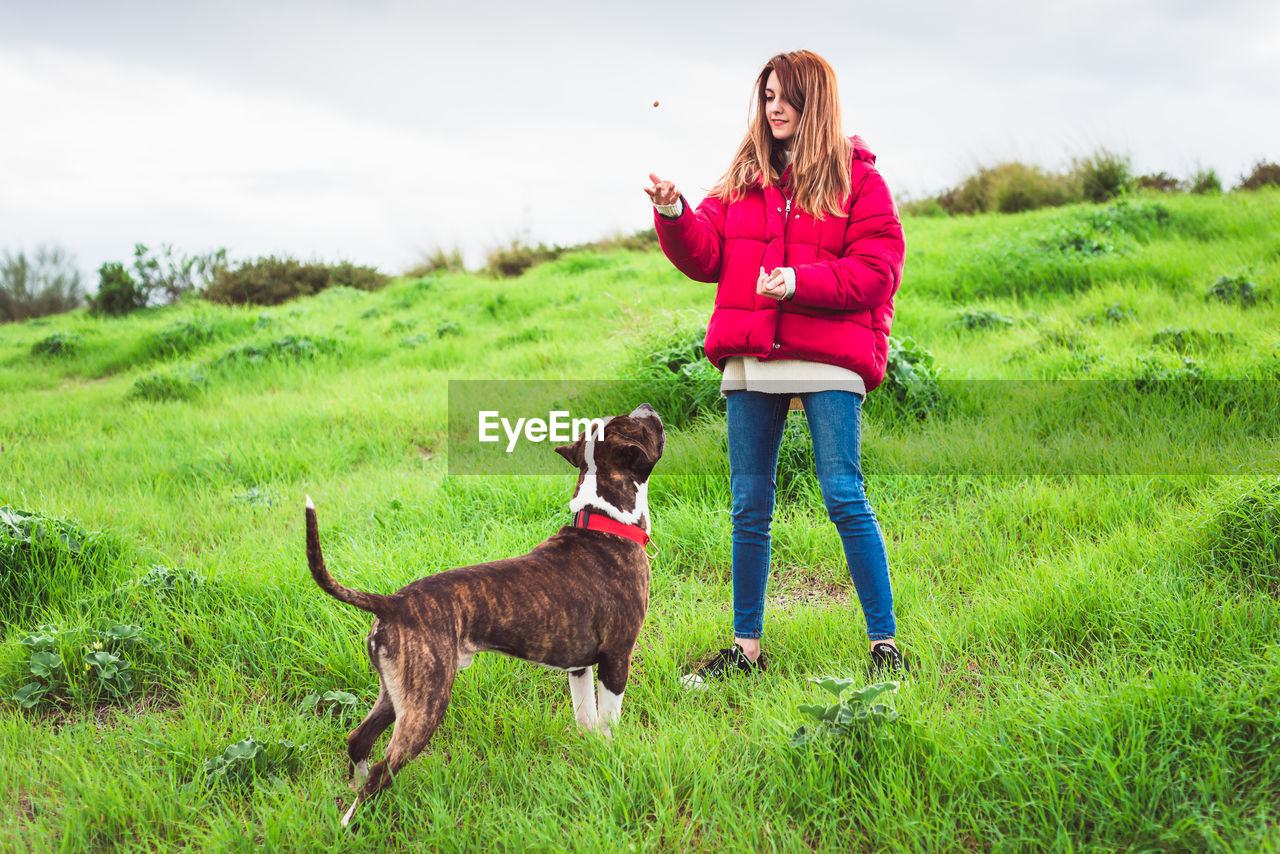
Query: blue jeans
{"points": [[756, 422]]}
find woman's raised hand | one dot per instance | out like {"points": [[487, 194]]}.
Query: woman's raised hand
{"points": [[662, 192]]}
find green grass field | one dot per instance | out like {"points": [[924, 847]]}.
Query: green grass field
{"points": [[1097, 639]]}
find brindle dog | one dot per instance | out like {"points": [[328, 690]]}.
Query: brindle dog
{"points": [[576, 601]]}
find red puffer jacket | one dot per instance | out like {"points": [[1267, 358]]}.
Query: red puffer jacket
{"points": [[848, 269]]}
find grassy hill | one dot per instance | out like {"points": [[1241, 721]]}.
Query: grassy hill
{"points": [[1086, 567]]}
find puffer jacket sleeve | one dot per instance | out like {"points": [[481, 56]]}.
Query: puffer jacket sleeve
{"points": [[869, 270], [694, 240]]}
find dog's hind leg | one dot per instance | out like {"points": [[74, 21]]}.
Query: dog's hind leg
{"points": [[362, 738], [582, 688], [614, 668], [419, 711]]}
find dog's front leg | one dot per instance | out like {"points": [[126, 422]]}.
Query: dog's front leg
{"points": [[582, 687], [614, 671]]}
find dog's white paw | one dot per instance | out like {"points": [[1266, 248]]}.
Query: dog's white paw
{"points": [[346, 819]]}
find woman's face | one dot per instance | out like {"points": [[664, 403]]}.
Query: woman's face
{"points": [[782, 117]]}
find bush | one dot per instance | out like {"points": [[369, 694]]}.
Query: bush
{"points": [[1141, 220], [1264, 174], [928, 207], [183, 336], [448, 327], [1181, 340], [644, 240], [287, 348], [1102, 175], [438, 261], [1009, 187], [164, 277], [118, 293], [512, 260], [46, 283], [45, 560], [159, 388], [670, 370], [910, 389], [978, 318], [1205, 181], [60, 344], [1154, 375], [1237, 289], [107, 672], [1160, 182], [272, 280]]}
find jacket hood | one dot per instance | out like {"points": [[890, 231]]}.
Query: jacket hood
{"points": [[860, 150]]}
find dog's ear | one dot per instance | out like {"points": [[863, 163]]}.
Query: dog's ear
{"points": [[642, 456], [573, 453]]}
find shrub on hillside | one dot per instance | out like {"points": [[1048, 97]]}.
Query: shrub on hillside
{"points": [[160, 388], [287, 348], [1157, 375], [1182, 340], [1237, 289], [1205, 181], [1141, 220], [45, 560], [1102, 175], [437, 261], [644, 240], [978, 318], [183, 336], [47, 282], [164, 276], [272, 280], [929, 207], [118, 292], [512, 260], [1264, 174], [911, 388], [670, 370], [61, 344], [1160, 182], [1007, 188]]}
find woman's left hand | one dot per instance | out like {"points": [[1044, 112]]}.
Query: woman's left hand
{"points": [[772, 285]]}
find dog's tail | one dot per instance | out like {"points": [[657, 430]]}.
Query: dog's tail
{"points": [[371, 602]]}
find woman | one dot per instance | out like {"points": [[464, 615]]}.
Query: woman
{"points": [[803, 239]]}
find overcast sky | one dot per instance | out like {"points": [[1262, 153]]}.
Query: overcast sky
{"points": [[374, 131]]}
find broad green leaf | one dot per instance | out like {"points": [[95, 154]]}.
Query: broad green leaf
{"points": [[833, 684], [43, 664], [822, 713], [29, 695], [340, 697]]}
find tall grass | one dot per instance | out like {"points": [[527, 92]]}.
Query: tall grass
{"points": [[1097, 653]]}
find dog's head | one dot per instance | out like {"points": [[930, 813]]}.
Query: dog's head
{"points": [[614, 465]]}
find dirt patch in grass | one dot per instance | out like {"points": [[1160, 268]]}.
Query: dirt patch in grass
{"points": [[805, 588], [106, 715]]}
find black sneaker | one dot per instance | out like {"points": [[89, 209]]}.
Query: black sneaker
{"points": [[887, 662], [722, 665]]}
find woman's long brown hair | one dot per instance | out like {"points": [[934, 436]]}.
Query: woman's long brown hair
{"points": [[820, 167]]}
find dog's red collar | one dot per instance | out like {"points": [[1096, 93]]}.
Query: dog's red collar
{"points": [[596, 521]]}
